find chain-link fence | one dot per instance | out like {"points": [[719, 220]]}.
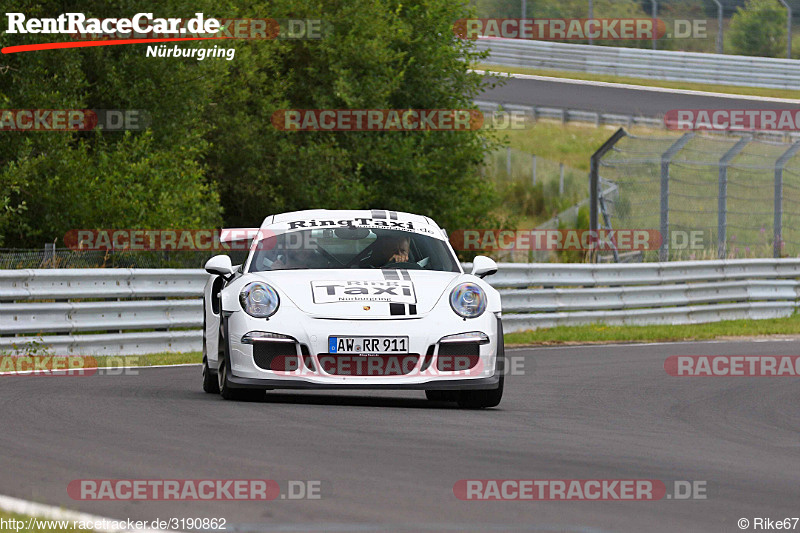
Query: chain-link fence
{"points": [[537, 193], [709, 197], [532, 188]]}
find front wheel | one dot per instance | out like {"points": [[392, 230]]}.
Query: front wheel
{"points": [[210, 382], [481, 399], [223, 374], [229, 393]]}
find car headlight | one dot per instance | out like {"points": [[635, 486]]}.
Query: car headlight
{"points": [[468, 300], [259, 300]]}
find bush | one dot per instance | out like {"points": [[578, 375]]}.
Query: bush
{"points": [[759, 29]]}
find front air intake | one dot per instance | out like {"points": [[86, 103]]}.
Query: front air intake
{"points": [[455, 356], [275, 356]]}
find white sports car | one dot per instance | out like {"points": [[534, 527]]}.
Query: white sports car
{"points": [[352, 300]]}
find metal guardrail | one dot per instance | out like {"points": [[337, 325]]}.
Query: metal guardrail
{"points": [[99, 311], [643, 63], [685, 292], [138, 311], [613, 119], [571, 115]]}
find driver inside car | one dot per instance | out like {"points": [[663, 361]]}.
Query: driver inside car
{"points": [[389, 249]]}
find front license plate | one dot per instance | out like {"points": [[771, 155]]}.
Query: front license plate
{"points": [[367, 345]]}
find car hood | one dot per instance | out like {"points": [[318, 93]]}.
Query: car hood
{"points": [[362, 294]]}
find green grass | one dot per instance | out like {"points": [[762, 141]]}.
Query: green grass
{"points": [[599, 333], [728, 89], [42, 522], [159, 359], [553, 143], [571, 143]]}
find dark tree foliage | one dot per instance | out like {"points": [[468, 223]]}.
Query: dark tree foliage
{"points": [[211, 156]]}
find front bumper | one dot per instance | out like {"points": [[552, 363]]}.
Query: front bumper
{"points": [[450, 384], [311, 344]]}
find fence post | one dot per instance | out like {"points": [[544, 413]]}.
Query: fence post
{"points": [[720, 42], [788, 28], [561, 178], [722, 200], [777, 225], [666, 159], [508, 161], [607, 220], [49, 254], [533, 169], [594, 178], [655, 15]]}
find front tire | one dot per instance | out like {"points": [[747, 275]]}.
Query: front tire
{"points": [[223, 385], [210, 382], [481, 399], [229, 393], [223, 382]]}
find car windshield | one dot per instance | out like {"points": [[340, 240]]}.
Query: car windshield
{"points": [[352, 247]]}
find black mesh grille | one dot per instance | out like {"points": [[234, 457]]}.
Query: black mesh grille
{"points": [[274, 355], [458, 356]]}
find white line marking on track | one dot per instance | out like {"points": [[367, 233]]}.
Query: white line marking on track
{"points": [[62, 371], [624, 344], [640, 87]]}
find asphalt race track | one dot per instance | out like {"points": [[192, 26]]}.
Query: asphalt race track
{"points": [[388, 460], [590, 96]]}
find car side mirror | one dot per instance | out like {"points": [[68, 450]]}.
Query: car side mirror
{"points": [[483, 266], [220, 264]]}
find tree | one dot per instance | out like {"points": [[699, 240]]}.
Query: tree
{"points": [[211, 153], [52, 182], [759, 29], [380, 55]]}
